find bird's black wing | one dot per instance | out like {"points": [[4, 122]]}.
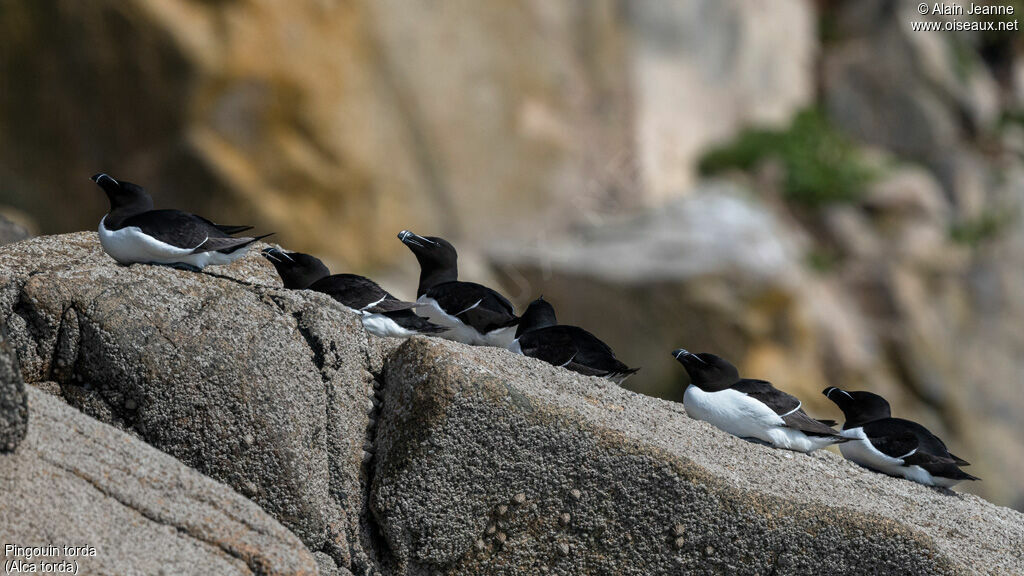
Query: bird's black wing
{"points": [[785, 405], [591, 351], [552, 346], [475, 305], [225, 228], [938, 466], [799, 420], [763, 391], [174, 227], [573, 348], [226, 245], [232, 229], [359, 293], [184, 230], [916, 446], [959, 461], [892, 437], [926, 442], [409, 320]]}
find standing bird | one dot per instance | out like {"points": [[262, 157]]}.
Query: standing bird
{"points": [[134, 232], [381, 313], [749, 408], [893, 446], [474, 313], [540, 336]]}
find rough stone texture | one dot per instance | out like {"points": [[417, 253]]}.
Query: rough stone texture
{"points": [[264, 389], [13, 401], [490, 463], [364, 118], [75, 481]]}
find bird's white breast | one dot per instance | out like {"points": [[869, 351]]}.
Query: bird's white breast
{"points": [[459, 330], [130, 245], [515, 346], [861, 451], [381, 325], [501, 338], [746, 417], [732, 411]]}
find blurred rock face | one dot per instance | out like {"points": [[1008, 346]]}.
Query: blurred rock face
{"points": [[11, 232], [339, 123], [711, 271]]}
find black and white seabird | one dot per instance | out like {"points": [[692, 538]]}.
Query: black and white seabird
{"points": [[134, 232], [475, 314], [893, 446], [751, 409], [381, 313], [540, 336]]}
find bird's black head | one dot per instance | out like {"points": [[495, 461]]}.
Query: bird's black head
{"points": [[438, 259], [858, 407], [707, 371], [126, 199], [539, 314], [297, 270]]}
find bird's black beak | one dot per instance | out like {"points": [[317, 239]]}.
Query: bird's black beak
{"points": [[838, 392], [681, 353], [275, 255], [101, 178], [410, 239]]}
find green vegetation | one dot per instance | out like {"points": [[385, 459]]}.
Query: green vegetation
{"points": [[964, 56], [821, 165], [1010, 117], [822, 260], [984, 228]]}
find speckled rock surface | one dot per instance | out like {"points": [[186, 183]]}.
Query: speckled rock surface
{"points": [[490, 463], [264, 389], [386, 458], [75, 481], [13, 402]]}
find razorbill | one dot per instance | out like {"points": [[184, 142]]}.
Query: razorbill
{"points": [[540, 336], [751, 409], [474, 313], [381, 313], [893, 446], [134, 232]]}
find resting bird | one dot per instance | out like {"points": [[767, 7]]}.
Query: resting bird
{"points": [[540, 336], [751, 409], [133, 232], [381, 313], [893, 446], [475, 314]]}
